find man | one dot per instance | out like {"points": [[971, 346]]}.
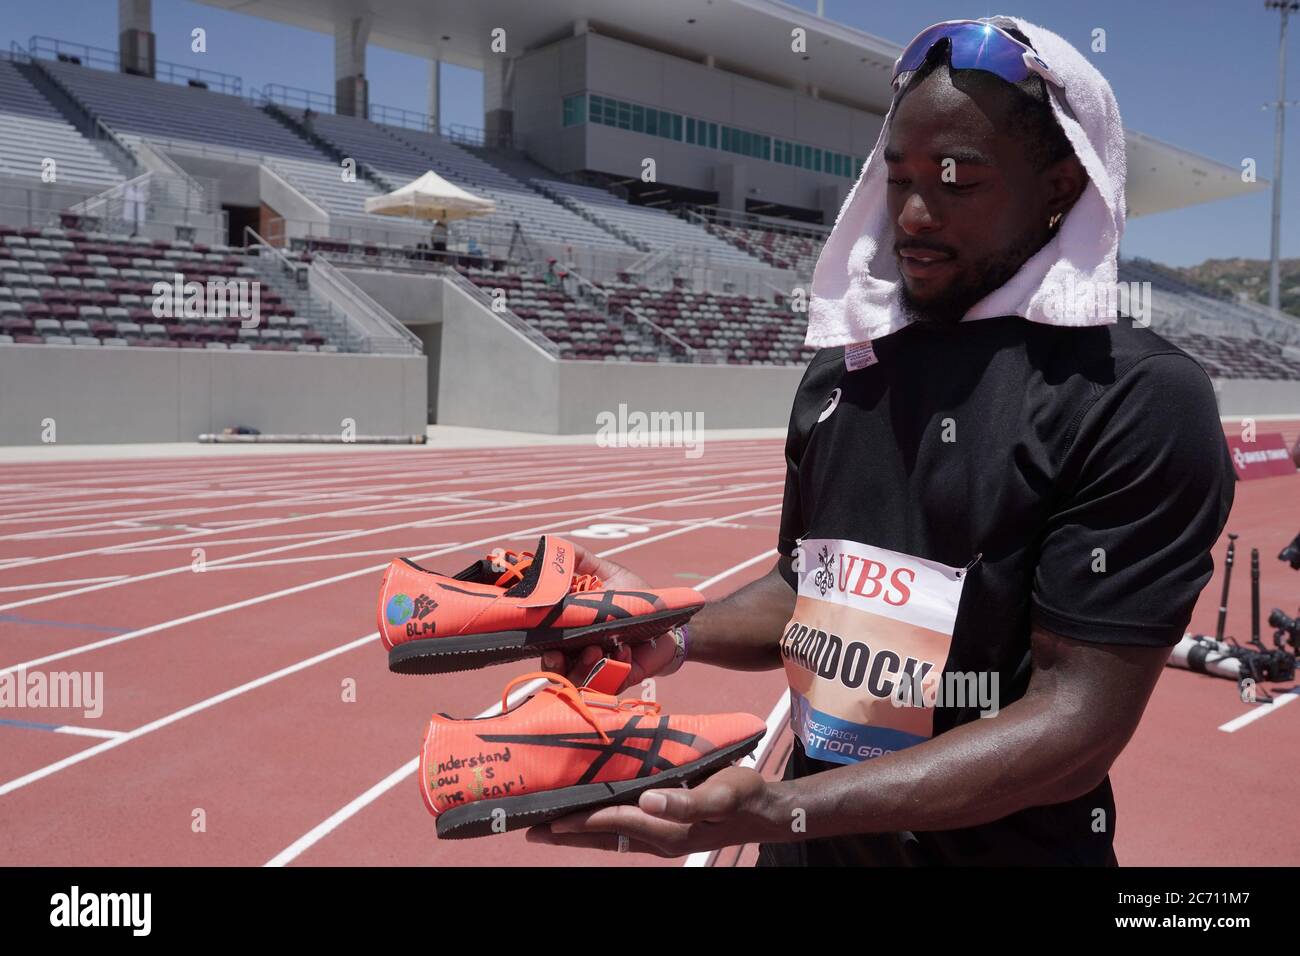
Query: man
{"points": [[440, 234], [1005, 485]]}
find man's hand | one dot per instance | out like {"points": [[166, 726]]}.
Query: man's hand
{"points": [[647, 659], [732, 807]]}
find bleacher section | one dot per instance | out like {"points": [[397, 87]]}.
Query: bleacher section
{"points": [[1229, 357], [747, 331], [144, 107], [399, 155], [538, 215], [65, 287], [781, 250], [319, 181], [31, 130], [579, 332], [1196, 298], [641, 226]]}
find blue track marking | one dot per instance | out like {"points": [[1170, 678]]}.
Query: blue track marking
{"points": [[28, 725], [19, 619]]}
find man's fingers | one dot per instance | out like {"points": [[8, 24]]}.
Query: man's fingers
{"points": [[627, 820], [715, 799], [580, 664], [587, 562]]}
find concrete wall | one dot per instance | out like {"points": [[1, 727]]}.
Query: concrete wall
{"points": [[238, 181], [431, 341], [1257, 397], [492, 377], [107, 395], [294, 206], [542, 79], [603, 65], [414, 300], [720, 396]]}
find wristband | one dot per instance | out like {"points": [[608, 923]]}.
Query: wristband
{"points": [[680, 636]]}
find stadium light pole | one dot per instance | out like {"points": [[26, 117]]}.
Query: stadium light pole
{"points": [[1286, 7]]}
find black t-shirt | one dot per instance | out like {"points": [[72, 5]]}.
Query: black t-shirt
{"points": [[1032, 446]]}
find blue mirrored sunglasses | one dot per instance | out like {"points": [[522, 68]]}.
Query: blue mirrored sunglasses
{"points": [[975, 45]]}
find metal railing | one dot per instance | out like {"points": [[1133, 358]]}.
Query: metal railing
{"points": [[379, 327], [87, 123], [294, 97], [299, 98], [100, 58], [106, 136], [156, 199], [743, 244], [292, 281], [329, 299], [508, 317], [652, 263], [749, 220], [25, 202], [492, 240], [666, 339], [203, 195], [591, 294]]}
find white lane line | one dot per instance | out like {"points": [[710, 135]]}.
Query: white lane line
{"points": [[89, 732], [643, 485], [58, 584], [299, 495], [329, 538], [337, 819], [776, 719], [261, 598], [227, 542], [1260, 711], [313, 836], [302, 559], [19, 782]]}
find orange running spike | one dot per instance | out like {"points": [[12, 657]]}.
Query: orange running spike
{"points": [[512, 608], [566, 749]]}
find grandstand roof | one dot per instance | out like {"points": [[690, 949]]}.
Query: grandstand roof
{"points": [[845, 64]]}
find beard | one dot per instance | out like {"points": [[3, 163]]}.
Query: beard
{"points": [[987, 274]]}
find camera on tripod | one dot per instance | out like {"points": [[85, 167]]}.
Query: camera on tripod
{"points": [[1247, 664], [1283, 625], [1291, 555]]}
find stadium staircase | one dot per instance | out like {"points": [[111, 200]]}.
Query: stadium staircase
{"points": [[32, 129]]}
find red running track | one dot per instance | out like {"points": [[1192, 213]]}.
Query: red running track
{"points": [[224, 689]]}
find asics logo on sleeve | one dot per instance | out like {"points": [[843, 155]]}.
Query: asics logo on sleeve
{"points": [[831, 404]]}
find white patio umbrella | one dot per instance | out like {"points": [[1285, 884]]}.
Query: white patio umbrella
{"points": [[430, 197]]}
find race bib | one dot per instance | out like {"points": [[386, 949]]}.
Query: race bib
{"points": [[865, 650]]}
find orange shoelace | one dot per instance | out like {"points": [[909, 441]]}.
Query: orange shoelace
{"points": [[518, 563], [572, 696]]}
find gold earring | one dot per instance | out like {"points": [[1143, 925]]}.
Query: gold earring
{"points": [[1056, 217]]}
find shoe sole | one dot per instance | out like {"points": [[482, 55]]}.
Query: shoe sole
{"points": [[442, 655], [477, 819]]}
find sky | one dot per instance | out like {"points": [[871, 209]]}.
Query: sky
{"points": [[1194, 73]]}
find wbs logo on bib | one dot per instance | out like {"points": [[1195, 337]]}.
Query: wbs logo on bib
{"points": [[871, 633]]}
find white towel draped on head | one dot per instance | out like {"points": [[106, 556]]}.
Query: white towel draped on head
{"points": [[855, 285]]}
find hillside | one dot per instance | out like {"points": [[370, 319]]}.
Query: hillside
{"points": [[1245, 278]]}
